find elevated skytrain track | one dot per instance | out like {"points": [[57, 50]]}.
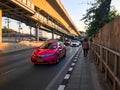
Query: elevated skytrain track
{"points": [[48, 15]]}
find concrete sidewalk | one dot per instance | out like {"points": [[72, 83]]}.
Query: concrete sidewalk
{"points": [[85, 75]]}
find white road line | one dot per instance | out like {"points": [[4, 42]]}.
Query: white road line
{"points": [[11, 70], [61, 87], [73, 64], [67, 76], [76, 57], [70, 69], [75, 60]]}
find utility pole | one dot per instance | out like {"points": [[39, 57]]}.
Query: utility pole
{"points": [[19, 28], [30, 32], [7, 20]]}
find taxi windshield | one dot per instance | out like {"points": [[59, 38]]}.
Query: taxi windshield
{"points": [[48, 45]]}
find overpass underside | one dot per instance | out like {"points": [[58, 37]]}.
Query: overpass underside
{"points": [[47, 15]]}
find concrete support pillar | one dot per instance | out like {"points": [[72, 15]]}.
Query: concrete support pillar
{"points": [[53, 34], [30, 32], [0, 25], [37, 34], [63, 37]]}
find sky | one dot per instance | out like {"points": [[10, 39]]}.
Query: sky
{"points": [[75, 8]]}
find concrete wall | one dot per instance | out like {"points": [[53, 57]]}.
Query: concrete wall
{"points": [[10, 47]]}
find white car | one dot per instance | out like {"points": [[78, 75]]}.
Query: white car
{"points": [[75, 43]]}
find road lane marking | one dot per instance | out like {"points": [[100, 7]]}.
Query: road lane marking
{"points": [[11, 70], [67, 76], [52, 83], [70, 69], [75, 60], [76, 57], [64, 81], [61, 87], [73, 64]]}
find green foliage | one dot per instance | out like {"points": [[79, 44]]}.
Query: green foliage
{"points": [[42, 38], [6, 30], [98, 15], [112, 15]]}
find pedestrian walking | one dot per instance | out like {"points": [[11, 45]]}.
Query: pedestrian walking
{"points": [[85, 47]]}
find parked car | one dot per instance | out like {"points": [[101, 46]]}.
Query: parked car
{"points": [[67, 42], [75, 43], [49, 53]]}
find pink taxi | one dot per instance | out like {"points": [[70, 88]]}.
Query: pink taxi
{"points": [[48, 53]]}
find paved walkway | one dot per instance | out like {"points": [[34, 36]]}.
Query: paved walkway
{"points": [[84, 75]]}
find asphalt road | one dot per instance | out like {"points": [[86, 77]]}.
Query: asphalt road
{"points": [[18, 73]]}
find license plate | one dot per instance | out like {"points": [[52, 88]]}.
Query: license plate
{"points": [[39, 60]]}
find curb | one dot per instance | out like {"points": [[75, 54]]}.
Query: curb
{"points": [[64, 83]]}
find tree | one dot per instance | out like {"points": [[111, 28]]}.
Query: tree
{"points": [[98, 15], [6, 30]]}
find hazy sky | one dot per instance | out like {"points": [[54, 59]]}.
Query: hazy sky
{"points": [[76, 9]]}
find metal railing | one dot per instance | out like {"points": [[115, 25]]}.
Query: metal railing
{"points": [[27, 2], [109, 63]]}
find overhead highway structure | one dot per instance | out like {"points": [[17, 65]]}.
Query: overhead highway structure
{"points": [[48, 15]]}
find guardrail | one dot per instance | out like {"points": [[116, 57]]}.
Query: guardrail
{"points": [[26, 4], [109, 63]]}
